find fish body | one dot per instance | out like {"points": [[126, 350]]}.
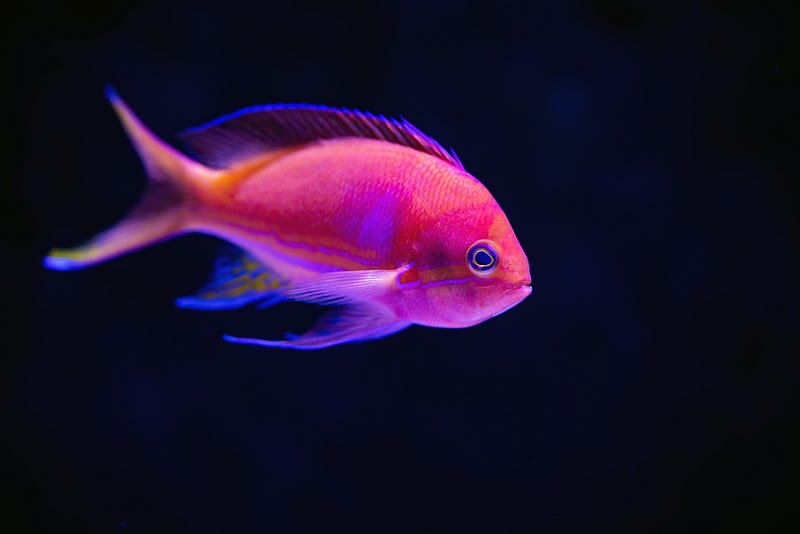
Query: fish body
{"points": [[331, 207]]}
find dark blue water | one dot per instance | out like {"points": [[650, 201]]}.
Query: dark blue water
{"points": [[646, 157]]}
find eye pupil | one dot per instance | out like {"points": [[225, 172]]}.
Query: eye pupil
{"points": [[482, 258]]}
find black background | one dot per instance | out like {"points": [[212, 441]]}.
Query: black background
{"points": [[645, 155]]}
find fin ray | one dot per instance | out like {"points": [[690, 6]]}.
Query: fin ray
{"points": [[340, 287]]}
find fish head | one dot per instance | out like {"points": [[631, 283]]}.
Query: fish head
{"points": [[471, 267]]}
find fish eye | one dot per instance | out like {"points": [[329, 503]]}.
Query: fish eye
{"points": [[482, 258]]}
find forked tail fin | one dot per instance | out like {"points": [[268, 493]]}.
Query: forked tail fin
{"points": [[159, 215]]}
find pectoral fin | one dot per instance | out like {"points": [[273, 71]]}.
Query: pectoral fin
{"points": [[340, 287], [347, 324]]}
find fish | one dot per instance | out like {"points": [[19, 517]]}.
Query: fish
{"points": [[360, 213]]}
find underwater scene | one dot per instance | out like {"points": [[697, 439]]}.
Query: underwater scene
{"points": [[401, 267]]}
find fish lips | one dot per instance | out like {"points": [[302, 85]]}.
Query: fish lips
{"points": [[513, 296]]}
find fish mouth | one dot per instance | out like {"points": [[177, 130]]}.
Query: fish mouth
{"points": [[520, 289], [523, 290], [526, 284], [523, 286], [513, 296]]}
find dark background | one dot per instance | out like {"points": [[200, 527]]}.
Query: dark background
{"points": [[645, 155]]}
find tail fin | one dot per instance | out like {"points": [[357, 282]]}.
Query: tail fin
{"points": [[159, 214]]}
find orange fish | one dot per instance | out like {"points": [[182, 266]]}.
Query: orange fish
{"points": [[329, 206]]}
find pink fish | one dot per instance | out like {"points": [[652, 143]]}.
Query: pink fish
{"points": [[329, 206]]}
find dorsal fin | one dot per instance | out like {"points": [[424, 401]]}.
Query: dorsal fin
{"points": [[252, 131]]}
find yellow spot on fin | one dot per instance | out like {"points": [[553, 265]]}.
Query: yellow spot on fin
{"points": [[237, 282]]}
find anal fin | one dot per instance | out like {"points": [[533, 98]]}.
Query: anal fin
{"points": [[237, 282]]}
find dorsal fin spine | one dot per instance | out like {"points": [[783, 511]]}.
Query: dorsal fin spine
{"points": [[240, 136]]}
